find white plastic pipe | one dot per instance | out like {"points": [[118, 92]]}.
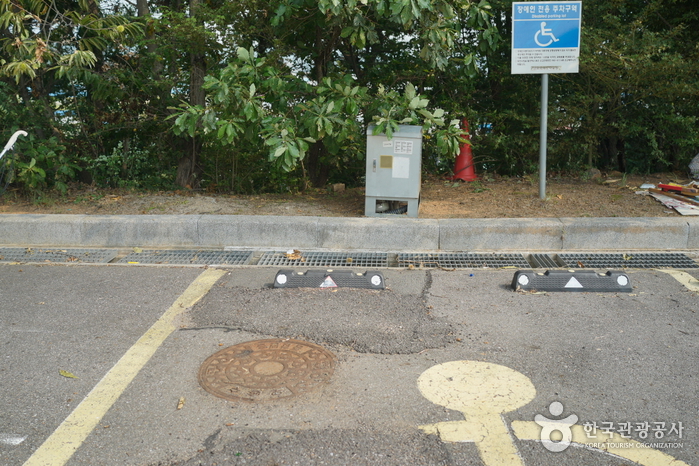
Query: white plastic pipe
{"points": [[12, 141]]}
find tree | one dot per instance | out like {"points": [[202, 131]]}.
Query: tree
{"points": [[277, 94], [52, 58], [309, 93], [46, 42], [632, 107]]}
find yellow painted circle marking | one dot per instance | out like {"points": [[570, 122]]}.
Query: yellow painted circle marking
{"points": [[473, 386]]}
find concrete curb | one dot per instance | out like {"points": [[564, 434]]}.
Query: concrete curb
{"points": [[409, 234]]}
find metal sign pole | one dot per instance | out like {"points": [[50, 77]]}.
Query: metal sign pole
{"points": [[545, 39], [543, 132]]}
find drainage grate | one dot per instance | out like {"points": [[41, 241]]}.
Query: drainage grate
{"points": [[325, 259], [56, 255], [543, 261], [200, 257], [628, 260], [461, 260]]}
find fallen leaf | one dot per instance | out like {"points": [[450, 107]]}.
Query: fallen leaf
{"points": [[559, 196], [293, 254], [67, 374], [137, 250], [180, 403]]}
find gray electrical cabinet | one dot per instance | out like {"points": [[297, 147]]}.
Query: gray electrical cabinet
{"points": [[393, 172]]}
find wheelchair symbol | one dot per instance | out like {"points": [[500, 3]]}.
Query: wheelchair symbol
{"points": [[484, 391], [544, 31]]}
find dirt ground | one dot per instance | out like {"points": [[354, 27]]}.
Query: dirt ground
{"points": [[611, 195]]}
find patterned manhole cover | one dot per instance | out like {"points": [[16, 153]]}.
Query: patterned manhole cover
{"points": [[266, 370]]}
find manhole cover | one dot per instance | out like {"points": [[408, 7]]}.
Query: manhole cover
{"points": [[266, 370]]}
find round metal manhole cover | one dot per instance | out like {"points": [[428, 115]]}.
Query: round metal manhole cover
{"points": [[266, 370]]}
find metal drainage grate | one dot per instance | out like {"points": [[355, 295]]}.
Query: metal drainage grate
{"points": [[325, 259], [56, 255], [628, 260], [199, 257], [543, 261], [461, 260]]}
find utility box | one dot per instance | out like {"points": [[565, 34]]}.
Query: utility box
{"points": [[393, 172]]}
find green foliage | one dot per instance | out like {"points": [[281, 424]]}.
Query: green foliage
{"points": [[632, 107], [40, 39], [41, 165], [292, 85], [250, 99], [128, 168]]}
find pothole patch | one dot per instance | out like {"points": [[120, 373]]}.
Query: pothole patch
{"points": [[266, 370]]}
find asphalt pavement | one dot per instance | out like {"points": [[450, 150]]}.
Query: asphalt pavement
{"points": [[102, 365]]}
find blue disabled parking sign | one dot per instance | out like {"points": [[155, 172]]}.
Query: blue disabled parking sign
{"points": [[546, 37]]}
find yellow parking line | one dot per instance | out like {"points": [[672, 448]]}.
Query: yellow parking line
{"points": [[686, 279], [68, 437]]}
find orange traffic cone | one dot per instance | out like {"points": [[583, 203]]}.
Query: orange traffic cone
{"points": [[463, 166]]}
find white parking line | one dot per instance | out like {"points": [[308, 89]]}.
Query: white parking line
{"points": [[11, 439]]}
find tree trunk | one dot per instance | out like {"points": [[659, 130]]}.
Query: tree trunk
{"points": [[143, 10], [318, 168], [188, 169], [621, 154]]}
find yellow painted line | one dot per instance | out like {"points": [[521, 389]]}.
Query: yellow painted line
{"points": [[686, 279], [632, 450], [482, 392], [68, 437]]}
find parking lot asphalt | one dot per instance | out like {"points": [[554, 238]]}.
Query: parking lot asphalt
{"points": [[101, 365]]}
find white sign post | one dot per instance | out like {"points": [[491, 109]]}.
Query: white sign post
{"points": [[545, 39]]}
